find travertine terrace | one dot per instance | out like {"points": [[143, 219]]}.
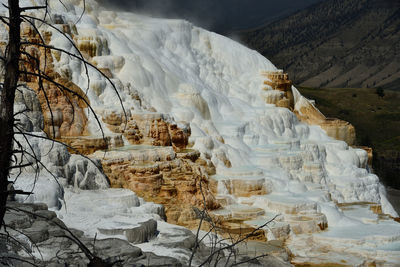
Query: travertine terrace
{"points": [[206, 121], [278, 80], [308, 113]]}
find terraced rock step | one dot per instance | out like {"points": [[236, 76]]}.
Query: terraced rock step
{"points": [[242, 186], [225, 200], [139, 153], [231, 220], [273, 248], [285, 205], [134, 234], [307, 223], [241, 229], [238, 212], [89, 144], [243, 212], [191, 154]]}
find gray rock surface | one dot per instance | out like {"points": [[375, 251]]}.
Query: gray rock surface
{"points": [[31, 120], [152, 259], [140, 233], [34, 235], [62, 169]]}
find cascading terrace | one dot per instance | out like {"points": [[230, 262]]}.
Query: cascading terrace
{"points": [[208, 121]]}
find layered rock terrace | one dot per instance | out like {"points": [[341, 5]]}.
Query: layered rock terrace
{"points": [[308, 113]]}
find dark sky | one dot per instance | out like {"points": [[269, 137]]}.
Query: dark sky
{"points": [[218, 15]]}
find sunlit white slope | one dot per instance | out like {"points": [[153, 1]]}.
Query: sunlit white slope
{"points": [[215, 84]]}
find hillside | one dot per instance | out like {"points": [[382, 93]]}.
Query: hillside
{"points": [[336, 43]]}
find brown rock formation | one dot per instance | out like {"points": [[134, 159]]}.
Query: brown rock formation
{"points": [[339, 129], [157, 175], [63, 110], [335, 128], [179, 139], [279, 80], [309, 114], [246, 188], [149, 129], [370, 153], [90, 43], [88, 144], [160, 133]]}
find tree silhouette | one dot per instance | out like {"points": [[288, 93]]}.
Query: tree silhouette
{"points": [[11, 76], [380, 92]]}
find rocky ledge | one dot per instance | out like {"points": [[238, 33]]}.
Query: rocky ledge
{"points": [[35, 236]]}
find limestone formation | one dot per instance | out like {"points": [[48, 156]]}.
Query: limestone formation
{"points": [[279, 81], [369, 152], [288, 217], [89, 144], [135, 234], [91, 43], [282, 96], [335, 128], [34, 229], [157, 175], [149, 129], [63, 110], [244, 187], [58, 168], [340, 130], [179, 138], [159, 167], [62, 103]]}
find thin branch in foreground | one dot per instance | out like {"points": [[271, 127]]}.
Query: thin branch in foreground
{"points": [[252, 233], [22, 9], [249, 260], [18, 259]]}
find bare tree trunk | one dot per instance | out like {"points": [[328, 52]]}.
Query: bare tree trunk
{"points": [[7, 95]]}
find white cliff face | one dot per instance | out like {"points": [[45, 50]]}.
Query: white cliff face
{"points": [[215, 84]]}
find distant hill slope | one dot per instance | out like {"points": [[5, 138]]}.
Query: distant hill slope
{"points": [[336, 43]]}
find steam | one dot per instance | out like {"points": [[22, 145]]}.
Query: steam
{"points": [[217, 15]]}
